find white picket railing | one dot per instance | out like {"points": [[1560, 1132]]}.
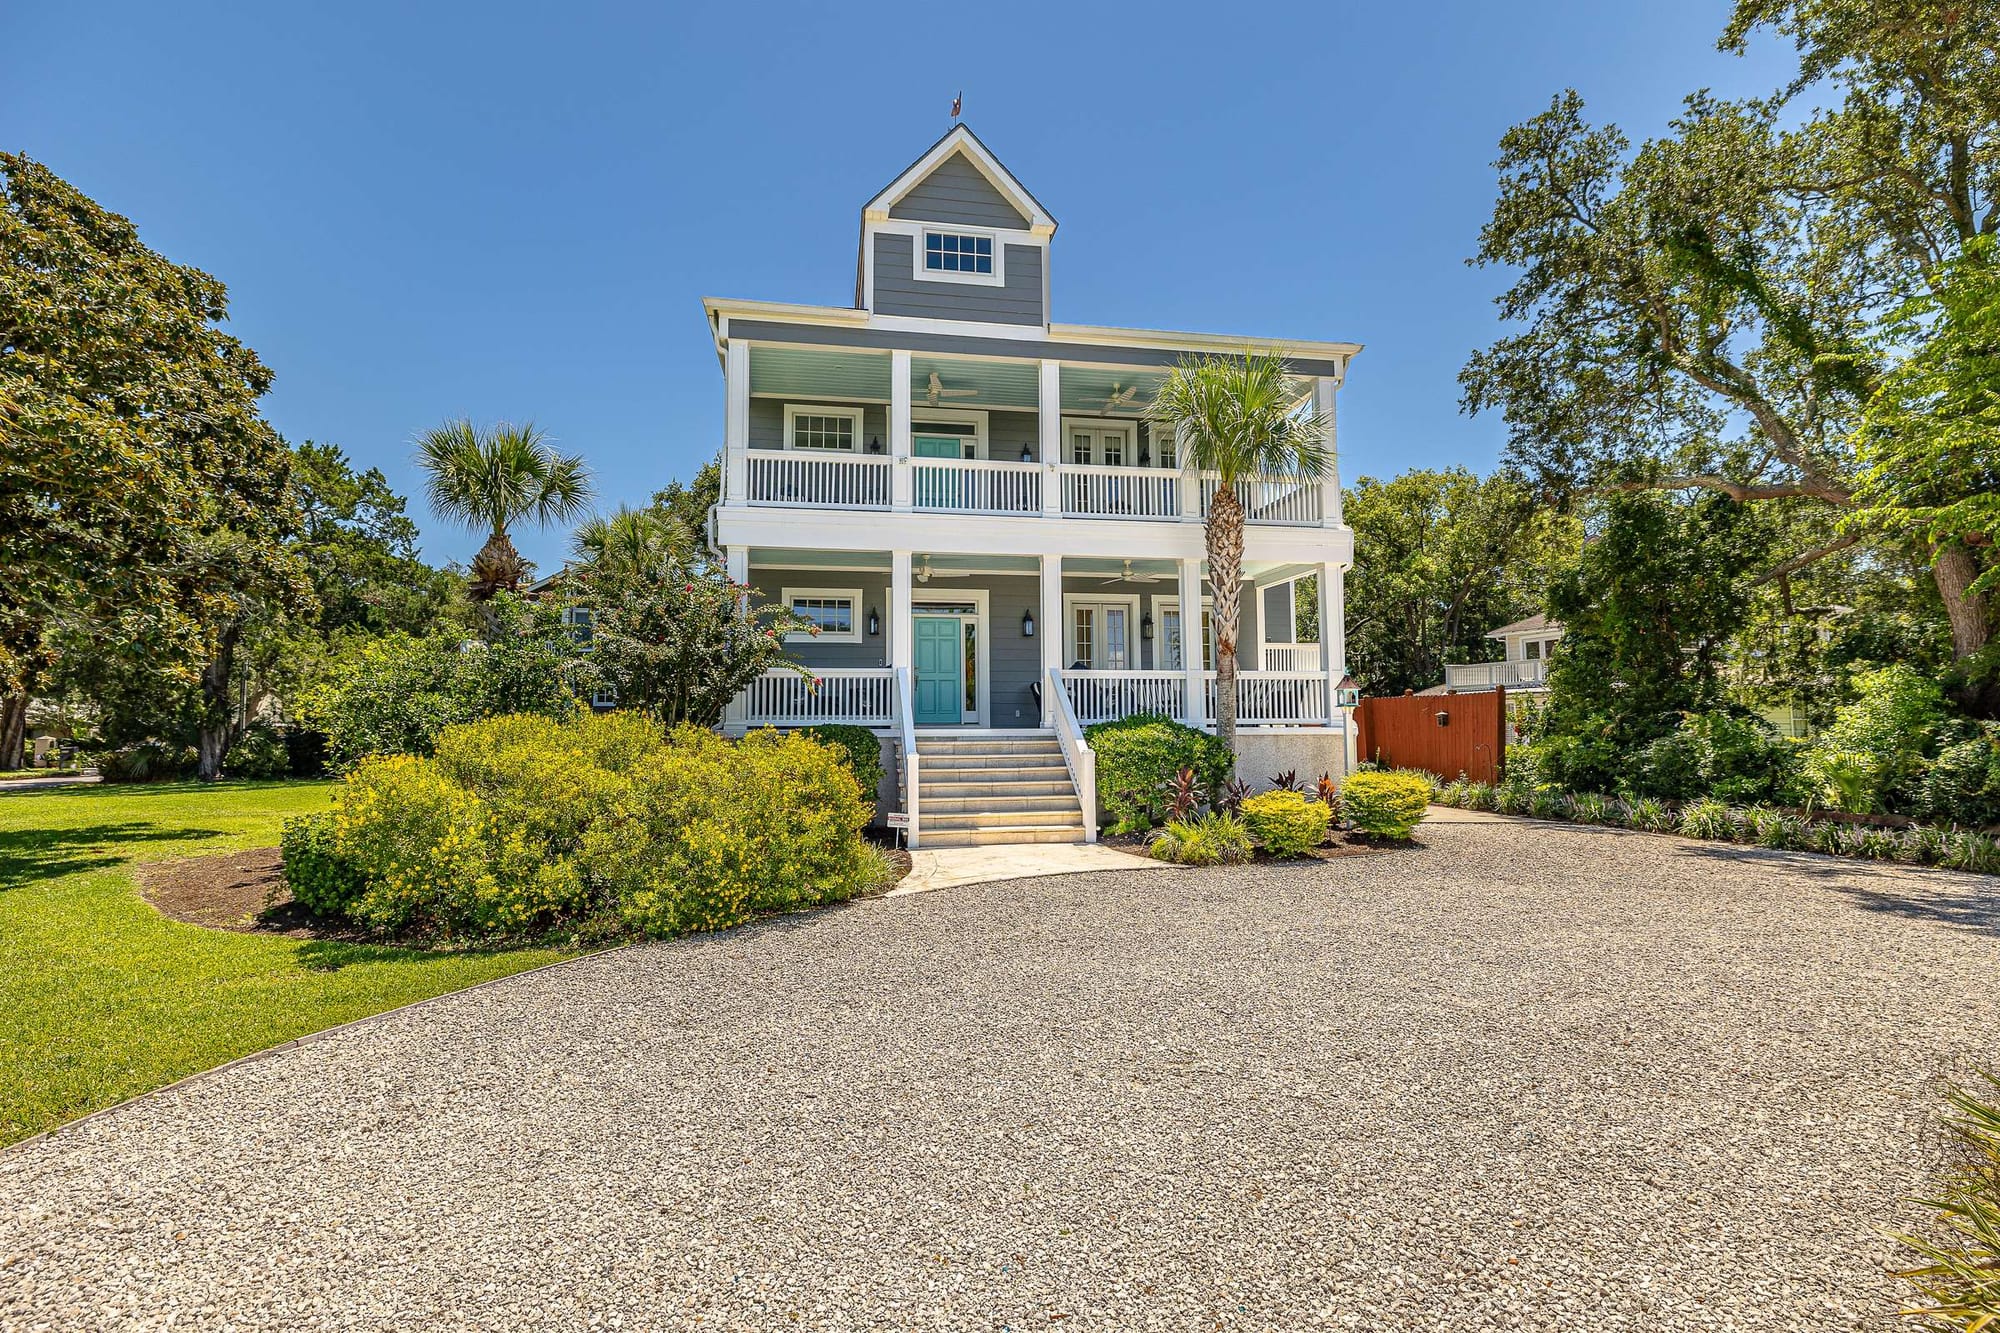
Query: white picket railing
{"points": [[906, 739], [1293, 500], [834, 481], [977, 486], [1120, 492], [1485, 675], [863, 696], [1098, 696], [1276, 698], [1291, 657], [1082, 760]]}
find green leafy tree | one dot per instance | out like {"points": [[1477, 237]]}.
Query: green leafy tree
{"points": [[490, 480], [1648, 616], [360, 549], [1240, 418], [688, 502], [1441, 557]]}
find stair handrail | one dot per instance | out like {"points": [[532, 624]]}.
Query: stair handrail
{"points": [[906, 732], [1082, 760]]}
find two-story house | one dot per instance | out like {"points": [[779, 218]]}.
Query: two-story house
{"points": [[967, 499]]}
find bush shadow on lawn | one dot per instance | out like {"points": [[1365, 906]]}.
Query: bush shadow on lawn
{"points": [[29, 855], [1923, 893]]}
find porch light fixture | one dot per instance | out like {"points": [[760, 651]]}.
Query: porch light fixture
{"points": [[874, 623], [1027, 624], [875, 444], [1146, 627], [1027, 455]]}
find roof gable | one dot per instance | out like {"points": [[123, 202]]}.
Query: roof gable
{"points": [[959, 180]]}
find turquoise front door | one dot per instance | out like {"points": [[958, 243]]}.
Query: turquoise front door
{"points": [[936, 490], [940, 688]]}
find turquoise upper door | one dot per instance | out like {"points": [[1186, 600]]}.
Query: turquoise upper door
{"points": [[935, 489], [940, 688]]}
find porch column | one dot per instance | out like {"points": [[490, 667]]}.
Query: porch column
{"points": [[1324, 389], [902, 652], [736, 422], [1332, 631], [736, 564], [1192, 663], [1049, 625], [902, 485], [1048, 418]]}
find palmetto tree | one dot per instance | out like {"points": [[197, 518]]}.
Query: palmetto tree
{"points": [[1240, 418], [489, 480], [630, 539]]}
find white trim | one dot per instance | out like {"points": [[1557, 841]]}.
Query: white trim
{"points": [[852, 596], [1133, 643], [921, 411], [854, 414], [1165, 602], [961, 140], [982, 647], [921, 272], [1128, 426]]}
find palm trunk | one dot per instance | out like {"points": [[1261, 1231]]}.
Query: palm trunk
{"points": [[13, 730], [1225, 575]]}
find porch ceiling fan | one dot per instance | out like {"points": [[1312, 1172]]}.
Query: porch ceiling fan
{"points": [[938, 391], [925, 573], [1121, 399], [1129, 577]]}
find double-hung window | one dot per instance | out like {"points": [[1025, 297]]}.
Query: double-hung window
{"points": [[835, 612], [957, 252]]}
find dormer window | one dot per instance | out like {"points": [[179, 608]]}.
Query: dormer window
{"points": [[957, 252]]}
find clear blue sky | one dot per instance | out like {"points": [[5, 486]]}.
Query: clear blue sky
{"points": [[511, 210]]}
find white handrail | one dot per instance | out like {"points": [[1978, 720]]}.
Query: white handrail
{"points": [[1120, 492], [1098, 696], [830, 480], [977, 486], [1291, 657], [1082, 760], [782, 697], [1462, 675], [1277, 698], [1270, 499], [906, 733]]}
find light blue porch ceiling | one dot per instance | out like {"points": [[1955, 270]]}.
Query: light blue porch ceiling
{"points": [[994, 384], [1087, 390], [799, 372]]}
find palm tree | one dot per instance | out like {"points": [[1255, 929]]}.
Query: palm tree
{"points": [[631, 540], [1240, 418], [490, 479]]}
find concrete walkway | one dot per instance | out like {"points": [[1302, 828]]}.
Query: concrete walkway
{"points": [[951, 866], [53, 780]]}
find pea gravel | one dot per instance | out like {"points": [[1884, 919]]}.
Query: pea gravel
{"points": [[1524, 1077]]}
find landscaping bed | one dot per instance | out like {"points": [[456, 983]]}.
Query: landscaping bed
{"points": [[243, 891]]}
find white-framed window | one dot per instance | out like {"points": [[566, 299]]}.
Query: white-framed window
{"points": [[953, 254], [582, 622], [836, 611], [1104, 443], [824, 429], [1532, 650], [604, 696], [966, 425], [1167, 610]]}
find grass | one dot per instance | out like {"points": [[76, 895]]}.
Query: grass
{"points": [[105, 998]]}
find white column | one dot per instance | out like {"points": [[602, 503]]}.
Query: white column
{"points": [[1192, 664], [1332, 632], [901, 479], [1324, 390], [736, 422], [902, 652], [1190, 485], [736, 563], [1049, 419], [1049, 625]]}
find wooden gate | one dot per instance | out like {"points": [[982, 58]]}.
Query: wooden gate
{"points": [[1445, 734]]}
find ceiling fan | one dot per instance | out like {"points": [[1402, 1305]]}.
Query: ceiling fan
{"points": [[925, 573], [1129, 577], [1121, 399], [938, 391]]}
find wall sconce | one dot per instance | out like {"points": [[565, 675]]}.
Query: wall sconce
{"points": [[1027, 624], [1145, 456], [874, 623], [1027, 454], [1146, 627], [875, 444]]}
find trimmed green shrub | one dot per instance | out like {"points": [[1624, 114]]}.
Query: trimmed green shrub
{"points": [[862, 747], [1210, 840], [1285, 823], [321, 880], [258, 753], [1385, 805], [1137, 757]]}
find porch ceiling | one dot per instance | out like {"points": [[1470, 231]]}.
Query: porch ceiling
{"points": [[1086, 389], [996, 384], [797, 372]]}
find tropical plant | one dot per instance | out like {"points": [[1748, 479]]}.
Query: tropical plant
{"points": [[1959, 1280], [1650, 815], [1285, 823], [630, 539], [1589, 807], [490, 480], [1877, 743], [1708, 818], [1287, 781], [1240, 418], [1183, 795], [1385, 805], [1212, 839], [1327, 792]]}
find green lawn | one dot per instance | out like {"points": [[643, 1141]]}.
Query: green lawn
{"points": [[105, 998]]}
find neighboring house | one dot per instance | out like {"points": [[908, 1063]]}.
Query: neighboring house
{"points": [[966, 497], [1523, 667]]}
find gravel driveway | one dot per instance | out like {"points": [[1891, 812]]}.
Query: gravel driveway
{"points": [[1527, 1076]]}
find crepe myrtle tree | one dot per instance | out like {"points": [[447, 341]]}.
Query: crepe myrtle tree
{"points": [[1238, 417], [491, 479], [678, 639]]}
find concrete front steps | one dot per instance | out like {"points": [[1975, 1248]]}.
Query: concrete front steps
{"points": [[974, 791]]}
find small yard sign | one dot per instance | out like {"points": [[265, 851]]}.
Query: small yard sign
{"points": [[898, 819]]}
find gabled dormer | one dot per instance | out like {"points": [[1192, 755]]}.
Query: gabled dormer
{"points": [[956, 237]]}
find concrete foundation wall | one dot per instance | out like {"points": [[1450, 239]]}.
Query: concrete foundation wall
{"points": [[1261, 754]]}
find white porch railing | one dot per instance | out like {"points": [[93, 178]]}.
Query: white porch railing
{"points": [[977, 486], [906, 740], [1291, 657], [1485, 675], [1082, 760], [1099, 696], [1276, 698], [864, 696], [1293, 500], [828, 481], [1120, 492]]}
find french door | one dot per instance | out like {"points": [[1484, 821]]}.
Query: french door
{"points": [[1100, 636]]}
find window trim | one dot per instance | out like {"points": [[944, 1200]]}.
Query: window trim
{"points": [[793, 411], [1134, 639], [974, 417], [1126, 425], [853, 599], [1171, 601], [919, 242]]}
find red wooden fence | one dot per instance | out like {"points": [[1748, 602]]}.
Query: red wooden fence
{"points": [[1445, 734]]}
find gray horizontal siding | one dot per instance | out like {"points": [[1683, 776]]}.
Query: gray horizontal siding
{"points": [[870, 652], [767, 423], [898, 291], [1278, 613], [823, 335], [955, 191]]}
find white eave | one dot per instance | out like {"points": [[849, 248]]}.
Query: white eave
{"points": [[960, 139]]}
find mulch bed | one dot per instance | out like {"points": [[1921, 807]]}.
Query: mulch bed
{"points": [[235, 891]]}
